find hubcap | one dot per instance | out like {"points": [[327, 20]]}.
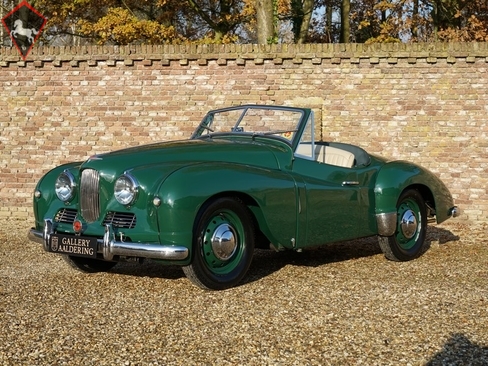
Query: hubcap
{"points": [[408, 224], [224, 242]]}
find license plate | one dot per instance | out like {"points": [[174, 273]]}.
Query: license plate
{"points": [[78, 246]]}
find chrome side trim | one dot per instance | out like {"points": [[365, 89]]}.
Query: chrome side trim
{"points": [[387, 223], [350, 183], [109, 247]]}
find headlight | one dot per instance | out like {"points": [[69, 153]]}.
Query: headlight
{"points": [[125, 189], [65, 186]]}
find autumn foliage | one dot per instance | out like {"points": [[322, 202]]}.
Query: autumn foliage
{"points": [[225, 21]]}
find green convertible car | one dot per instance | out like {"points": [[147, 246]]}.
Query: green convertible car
{"points": [[249, 177]]}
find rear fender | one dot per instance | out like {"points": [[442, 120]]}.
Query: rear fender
{"points": [[395, 177]]}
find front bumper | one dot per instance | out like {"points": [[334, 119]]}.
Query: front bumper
{"points": [[108, 247]]}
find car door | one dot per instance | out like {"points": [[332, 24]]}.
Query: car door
{"points": [[329, 202]]}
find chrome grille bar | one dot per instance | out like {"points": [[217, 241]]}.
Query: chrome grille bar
{"points": [[66, 215], [120, 220], [89, 195]]}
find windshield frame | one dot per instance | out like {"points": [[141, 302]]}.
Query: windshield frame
{"points": [[206, 123]]}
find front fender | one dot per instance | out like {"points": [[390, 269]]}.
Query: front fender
{"points": [[272, 192], [47, 199], [394, 177]]}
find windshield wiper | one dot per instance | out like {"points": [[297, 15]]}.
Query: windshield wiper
{"points": [[207, 128], [276, 132]]}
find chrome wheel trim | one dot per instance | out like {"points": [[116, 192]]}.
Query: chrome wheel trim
{"points": [[224, 242], [408, 224]]}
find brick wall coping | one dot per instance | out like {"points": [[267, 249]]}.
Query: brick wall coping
{"points": [[165, 54]]}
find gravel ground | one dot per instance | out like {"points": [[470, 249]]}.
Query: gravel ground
{"points": [[344, 304]]}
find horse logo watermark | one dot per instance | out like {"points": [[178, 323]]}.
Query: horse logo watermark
{"points": [[24, 25]]}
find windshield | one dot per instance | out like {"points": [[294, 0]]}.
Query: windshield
{"points": [[282, 122]]}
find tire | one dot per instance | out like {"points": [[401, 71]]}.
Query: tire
{"points": [[89, 265], [408, 242], [221, 264]]}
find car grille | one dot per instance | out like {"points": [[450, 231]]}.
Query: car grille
{"points": [[66, 215], [124, 220], [89, 196]]}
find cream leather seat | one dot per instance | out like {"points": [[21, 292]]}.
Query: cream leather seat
{"points": [[329, 155], [334, 156]]}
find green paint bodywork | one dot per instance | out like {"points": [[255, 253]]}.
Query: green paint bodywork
{"points": [[296, 202], [397, 176]]}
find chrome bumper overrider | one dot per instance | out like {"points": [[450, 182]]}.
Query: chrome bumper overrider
{"points": [[109, 247], [386, 223], [455, 211]]}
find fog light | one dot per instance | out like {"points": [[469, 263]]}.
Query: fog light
{"points": [[157, 201], [37, 194], [77, 226]]}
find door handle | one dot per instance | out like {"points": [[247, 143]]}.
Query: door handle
{"points": [[350, 183]]}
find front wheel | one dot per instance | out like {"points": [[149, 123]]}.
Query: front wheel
{"points": [[223, 244], [89, 264], [408, 242]]}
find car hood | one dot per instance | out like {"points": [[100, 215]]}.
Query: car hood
{"points": [[249, 152]]}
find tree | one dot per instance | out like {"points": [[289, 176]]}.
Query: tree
{"points": [[463, 21], [122, 26], [149, 21], [325, 23], [301, 16], [262, 21], [345, 26], [329, 25], [108, 21], [265, 20], [222, 17]]}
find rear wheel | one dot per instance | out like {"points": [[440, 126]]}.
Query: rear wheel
{"points": [[408, 242], [223, 244], [89, 264]]}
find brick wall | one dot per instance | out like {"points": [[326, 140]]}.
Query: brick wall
{"points": [[424, 102]]}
